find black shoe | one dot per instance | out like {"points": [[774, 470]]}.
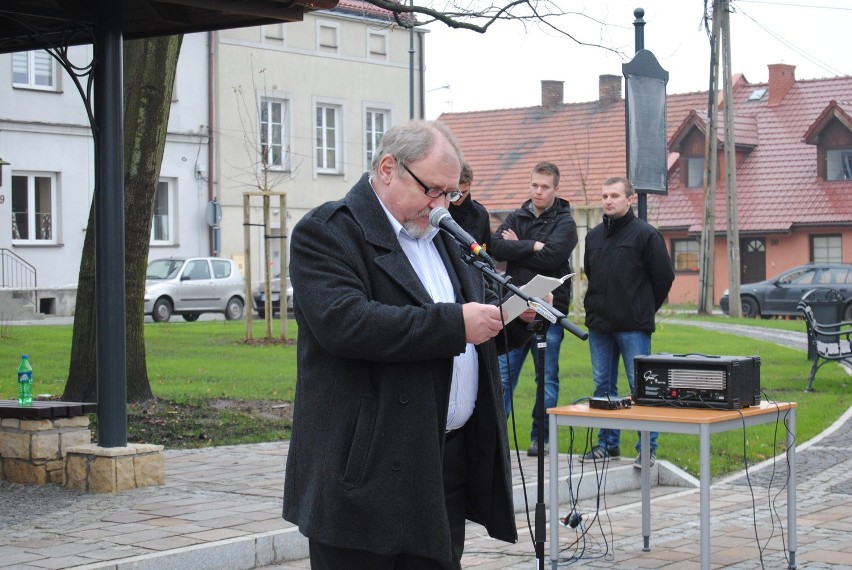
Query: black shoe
{"points": [[599, 453], [533, 449]]}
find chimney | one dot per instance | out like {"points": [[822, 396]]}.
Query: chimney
{"points": [[609, 89], [552, 93], [782, 76]]}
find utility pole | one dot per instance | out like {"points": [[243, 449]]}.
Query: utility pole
{"points": [[733, 234], [707, 263]]}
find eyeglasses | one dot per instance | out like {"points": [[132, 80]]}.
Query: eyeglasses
{"points": [[452, 195]]}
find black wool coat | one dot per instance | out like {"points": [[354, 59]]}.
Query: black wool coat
{"points": [[375, 358]]}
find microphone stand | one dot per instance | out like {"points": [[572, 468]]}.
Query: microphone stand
{"points": [[549, 316]]}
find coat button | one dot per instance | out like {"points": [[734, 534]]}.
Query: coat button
{"points": [[396, 466], [403, 399]]}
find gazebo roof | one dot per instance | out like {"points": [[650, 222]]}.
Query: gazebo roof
{"points": [[34, 24]]}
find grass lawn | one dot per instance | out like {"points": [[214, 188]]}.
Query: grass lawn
{"points": [[209, 360]]}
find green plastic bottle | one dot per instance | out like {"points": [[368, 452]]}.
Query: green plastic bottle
{"points": [[25, 382]]}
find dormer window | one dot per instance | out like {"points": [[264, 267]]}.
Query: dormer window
{"points": [[693, 172], [838, 164]]}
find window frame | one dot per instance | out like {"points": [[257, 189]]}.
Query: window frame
{"points": [[689, 165], [374, 55], [327, 47], [32, 56], [370, 111], [838, 164], [834, 244], [170, 185], [321, 152], [31, 214], [677, 243], [265, 133]]}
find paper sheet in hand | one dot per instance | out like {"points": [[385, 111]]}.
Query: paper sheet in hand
{"points": [[539, 286]]}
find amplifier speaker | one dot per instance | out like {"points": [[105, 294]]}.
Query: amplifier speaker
{"points": [[697, 380]]}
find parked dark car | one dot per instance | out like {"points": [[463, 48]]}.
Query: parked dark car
{"points": [[259, 297], [780, 295], [191, 286]]}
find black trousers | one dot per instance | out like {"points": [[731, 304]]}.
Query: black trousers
{"points": [[326, 557]]}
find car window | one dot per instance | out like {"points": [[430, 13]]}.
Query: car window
{"points": [[836, 276], [163, 268], [221, 269], [801, 277], [197, 269]]}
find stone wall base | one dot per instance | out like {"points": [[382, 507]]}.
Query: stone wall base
{"points": [[33, 451], [112, 469]]}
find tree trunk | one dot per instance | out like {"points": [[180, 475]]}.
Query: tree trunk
{"points": [[149, 72]]}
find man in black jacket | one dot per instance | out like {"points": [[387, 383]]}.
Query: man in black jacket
{"points": [[470, 214], [630, 274], [538, 238]]}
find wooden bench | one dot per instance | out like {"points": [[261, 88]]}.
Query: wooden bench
{"points": [[827, 342], [34, 439]]}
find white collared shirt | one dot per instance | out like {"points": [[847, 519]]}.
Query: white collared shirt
{"points": [[430, 268]]}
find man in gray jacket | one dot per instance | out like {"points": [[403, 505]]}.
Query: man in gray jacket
{"points": [[398, 430]]}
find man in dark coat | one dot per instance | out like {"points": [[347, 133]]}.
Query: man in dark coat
{"points": [[398, 431], [630, 275], [470, 214]]}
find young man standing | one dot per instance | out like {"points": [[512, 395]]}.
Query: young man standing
{"points": [[630, 274], [538, 238]]}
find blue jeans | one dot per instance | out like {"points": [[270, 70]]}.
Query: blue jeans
{"points": [[510, 368], [604, 349]]}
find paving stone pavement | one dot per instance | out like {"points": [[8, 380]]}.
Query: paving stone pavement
{"points": [[220, 508]]}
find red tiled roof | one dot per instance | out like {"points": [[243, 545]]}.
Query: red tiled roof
{"points": [[777, 185]]}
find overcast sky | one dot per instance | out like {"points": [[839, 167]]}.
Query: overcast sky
{"points": [[503, 68]]}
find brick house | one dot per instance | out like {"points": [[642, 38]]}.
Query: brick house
{"points": [[794, 169]]}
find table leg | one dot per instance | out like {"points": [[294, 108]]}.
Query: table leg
{"points": [[645, 454], [554, 492], [791, 486], [704, 466]]}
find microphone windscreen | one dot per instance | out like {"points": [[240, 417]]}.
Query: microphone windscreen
{"points": [[436, 215]]}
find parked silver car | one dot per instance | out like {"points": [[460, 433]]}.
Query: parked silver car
{"points": [[191, 286]]}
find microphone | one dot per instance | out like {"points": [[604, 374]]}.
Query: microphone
{"points": [[441, 218]]}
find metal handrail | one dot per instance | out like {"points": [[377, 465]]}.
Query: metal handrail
{"points": [[17, 273]]}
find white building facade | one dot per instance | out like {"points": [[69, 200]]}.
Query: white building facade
{"points": [[294, 108]]}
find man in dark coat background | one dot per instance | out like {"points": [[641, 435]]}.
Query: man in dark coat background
{"points": [[470, 214], [398, 428]]}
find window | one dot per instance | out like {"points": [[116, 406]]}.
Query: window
{"points": [[34, 70], [826, 249], [838, 164], [221, 268], [196, 270], [693, 175], [686, 254], [377, 45], [273, 34], [274, 148], [328, 138], [377, 121], [33, 208], [327, 37], [162, 224]]}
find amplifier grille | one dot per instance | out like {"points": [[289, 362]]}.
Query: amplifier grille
{"points": [[697, 379]]}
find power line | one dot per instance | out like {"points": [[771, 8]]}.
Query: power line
{"points": [[812, 58]]}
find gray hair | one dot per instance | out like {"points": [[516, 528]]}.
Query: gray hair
{"points": [[411, 141]]}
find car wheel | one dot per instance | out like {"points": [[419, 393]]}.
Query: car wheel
{"points": [[191, 317], [750, 308], [261, 314], [162, 311], [234, 309]]}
